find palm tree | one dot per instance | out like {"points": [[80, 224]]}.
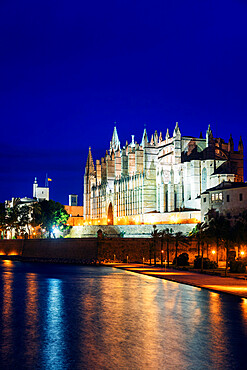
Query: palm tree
{"points": [[199, 232], [153, 244], [215, 225], [179, 238], [221, 229], [166, 236]]}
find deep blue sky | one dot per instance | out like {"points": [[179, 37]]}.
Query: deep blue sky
{"points": [[69, 69]]}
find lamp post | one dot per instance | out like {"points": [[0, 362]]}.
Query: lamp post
{"points": [[162, 257], [213, 253]]}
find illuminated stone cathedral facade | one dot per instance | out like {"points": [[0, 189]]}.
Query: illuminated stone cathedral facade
{"points": [[158, 180]]}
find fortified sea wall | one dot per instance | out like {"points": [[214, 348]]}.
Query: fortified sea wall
{"points": [[87, 250], [67, 249]]}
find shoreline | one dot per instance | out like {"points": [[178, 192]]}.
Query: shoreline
{"points": [[218, 284], [236, 286]]}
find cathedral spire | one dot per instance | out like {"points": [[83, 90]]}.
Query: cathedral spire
{"points": [[160, 137], [89, 170], [115, 143], [176, 130], [144, 138], [230, 144], [240, 145], [156, 139], [167, 134], [132, 144], [209, 135]]}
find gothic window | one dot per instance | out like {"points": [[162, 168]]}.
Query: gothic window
{"points": [[240, 197], [204, 179]]}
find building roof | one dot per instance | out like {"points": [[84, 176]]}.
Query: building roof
{"points": [[227, 185]]}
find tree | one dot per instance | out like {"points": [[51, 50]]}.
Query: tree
{"points": [[17, 219], [221, 228], [239, 230], [183, 259], [199, 232], [215, 225], [53, 215], [179, 238], [36, 215], [153, 245], [3, 225], [166, 236]]}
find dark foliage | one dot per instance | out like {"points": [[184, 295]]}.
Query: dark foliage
{"points": [[182, 260], [207, 264], [237, 267]]}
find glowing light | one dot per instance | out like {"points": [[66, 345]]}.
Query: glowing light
{"points": [[242, 253], [8, 262], [162, 251], [56, 231], [213, 252]]}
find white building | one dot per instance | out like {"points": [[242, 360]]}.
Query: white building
{"points": [[229, 199], [147, 182], [40, 193]]}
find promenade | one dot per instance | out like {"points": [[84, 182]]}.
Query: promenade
{"points": [[228, 285]]}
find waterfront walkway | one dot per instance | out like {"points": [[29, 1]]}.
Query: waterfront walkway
{"points": [[228, 285]]}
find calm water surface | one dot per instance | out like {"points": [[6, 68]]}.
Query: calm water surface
{"points": [[73, 317]]}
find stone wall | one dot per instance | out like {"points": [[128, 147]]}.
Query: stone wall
{"points": [[51, 248], [90, 249], [134, 231]]}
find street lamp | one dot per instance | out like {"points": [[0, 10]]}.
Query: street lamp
{"points": [[162, 257]]}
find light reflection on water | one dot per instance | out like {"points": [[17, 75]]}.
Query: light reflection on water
{"points": [[54, 343], [72, 317]]}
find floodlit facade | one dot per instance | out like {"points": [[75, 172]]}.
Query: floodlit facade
{"points": [[228, 199], [40, 192], [158, 180]]}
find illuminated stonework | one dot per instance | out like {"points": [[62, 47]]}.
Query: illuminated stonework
{"points": [[157, 181]]}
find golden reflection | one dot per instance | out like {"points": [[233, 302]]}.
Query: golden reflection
{"points": [[230, 289], [217, 328], [8, 262], [31, 319], [7, 312], [123, 325], [244, 313]]}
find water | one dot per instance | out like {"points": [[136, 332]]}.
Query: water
{"points": [[73, 317]]}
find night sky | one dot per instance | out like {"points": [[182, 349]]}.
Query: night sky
{"points": [[69, 70]]}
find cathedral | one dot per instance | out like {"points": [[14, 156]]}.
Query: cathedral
{"points": [[158, 180]]}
